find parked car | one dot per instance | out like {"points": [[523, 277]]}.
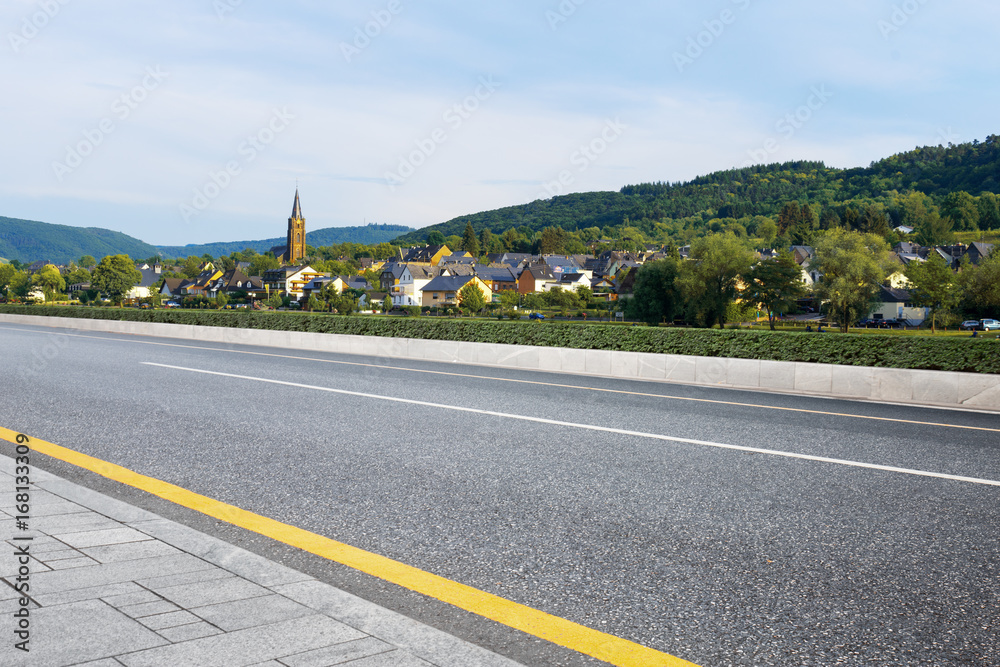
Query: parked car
{"points": [[989, 325], [172, 304], [890, 324], [970, 325], [536, 316]]}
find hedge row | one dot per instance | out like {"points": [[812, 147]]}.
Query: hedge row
{"points": [[913, 352]]}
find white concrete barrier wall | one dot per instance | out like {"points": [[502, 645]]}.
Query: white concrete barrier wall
{"points": [[937, 388]]}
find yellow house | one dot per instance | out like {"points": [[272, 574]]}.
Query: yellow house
{"points": [[443, 290]]}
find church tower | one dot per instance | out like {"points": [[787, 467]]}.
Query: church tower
{"points": [[296, 234]]}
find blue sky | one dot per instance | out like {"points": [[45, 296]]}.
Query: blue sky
{"points": [[191, 121]]}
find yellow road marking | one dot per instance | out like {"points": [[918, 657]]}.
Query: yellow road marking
{"points": [[544, 384], [582, 639]]}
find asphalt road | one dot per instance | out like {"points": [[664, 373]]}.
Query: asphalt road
{"points": [[721, 557]]}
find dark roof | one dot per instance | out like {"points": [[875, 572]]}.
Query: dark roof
{"points": [[540, 271], [498, 273], [448, 283], [296, 207], [893, 295]]}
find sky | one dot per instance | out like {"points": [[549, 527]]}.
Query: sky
{"points": [[193, 121]]}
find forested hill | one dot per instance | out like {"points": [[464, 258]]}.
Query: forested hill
{"points": [[366, 235], [29, 241], [754, 191]]}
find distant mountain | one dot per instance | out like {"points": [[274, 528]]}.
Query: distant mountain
{"points": [[760, 190], [367, 235], [30, 241]]}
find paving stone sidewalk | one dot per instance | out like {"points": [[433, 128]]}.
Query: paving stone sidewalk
{"points": [[113, 585]]}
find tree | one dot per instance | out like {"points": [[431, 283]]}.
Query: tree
{"points": [[435, 238], [979, 286], [934, 230], [221, 300], [470, 243], [585, 294], [313, 303], [853, 267], [471, 297], [386, 304], [275, 301], [552, 241], [932, 285], [711, 282], [49, 280], [7, 273], [775, 284], [768, 232], [77, 276], [116, 275], [961, 207], [655, 297], [87, 262], [989, 211], [261, 263], [192, 266], [509, 299]]}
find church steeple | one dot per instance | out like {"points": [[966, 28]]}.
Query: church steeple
{"points": [[296, 233]]}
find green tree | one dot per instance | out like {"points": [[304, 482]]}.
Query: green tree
{"points": [[7, 273], [853, 267], [655, 298], [534, 301], [471, 297], [275, 301], [935, 230], [775, 284], [584, 293], [314, 304], [192, 266], [116, 275], [509, 299], [979, 287], [552, 241], [49, 280], [768, 232], [386, 304], [221, 300], [962, 209], [261, 263], [989, 211], [87, 262], [932, 285], [435, 238], [78, 275], [470, 243], [711, 281]]}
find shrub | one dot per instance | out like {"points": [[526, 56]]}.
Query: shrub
{"points": [[915, 352]]}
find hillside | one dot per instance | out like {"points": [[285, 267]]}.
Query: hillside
{"points": [[755, 191], [367, 235], [29, 241]]}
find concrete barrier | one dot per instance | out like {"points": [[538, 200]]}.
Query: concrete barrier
{"points": [[885, 385]]}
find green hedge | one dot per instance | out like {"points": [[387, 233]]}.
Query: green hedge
{"points": [[916, 352]]}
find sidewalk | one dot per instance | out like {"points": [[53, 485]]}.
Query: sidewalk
{"points": [[112, 585]]}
